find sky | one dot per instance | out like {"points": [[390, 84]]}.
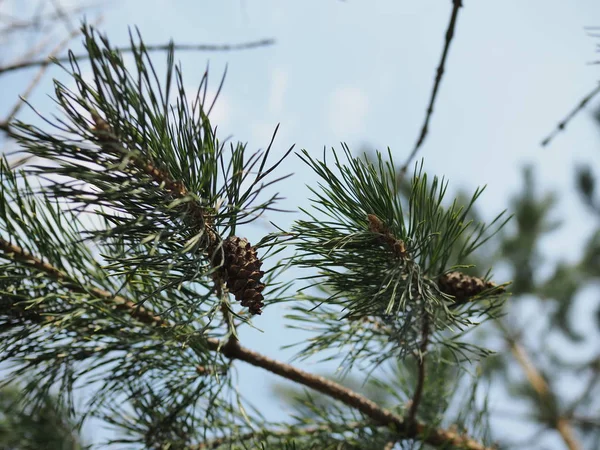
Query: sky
{"points": [[361, 72]]}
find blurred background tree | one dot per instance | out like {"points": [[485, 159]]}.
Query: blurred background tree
{"points": [[42, 425]]}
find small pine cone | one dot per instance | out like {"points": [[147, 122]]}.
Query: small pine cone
{"points": [[462, 286], [243, 273], [376, 225]]}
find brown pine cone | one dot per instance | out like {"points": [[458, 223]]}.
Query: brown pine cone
{"points": [[463, 286], [243, 274]]}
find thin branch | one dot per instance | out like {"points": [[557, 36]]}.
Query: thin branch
{"points": [[587, 391], [587, 421], [233, 350], [563, 123], [540, 386], [389, 445], [291, 432], [136, 311], [456, 5], [5, 127], [18, 254], [149, 48], [416, 400], [66, 19], [42, 70], [21, 24]]}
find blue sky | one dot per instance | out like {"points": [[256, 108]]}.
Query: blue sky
{"points": [[361, 72]]}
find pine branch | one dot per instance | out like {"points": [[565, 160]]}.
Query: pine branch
{"points": [[378, 256], [234, 351], [159, 183], [138, 312], [456, 5], [111, 144]]}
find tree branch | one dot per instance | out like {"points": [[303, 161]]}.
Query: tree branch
{"points": [[291, 432], [20, 255], [233, 350], [416, 400], [456, 5], [434, 437], [540, 386], [150, 48], [43, 67], [563, 123]]}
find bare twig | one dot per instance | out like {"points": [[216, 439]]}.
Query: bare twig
{"points": [[456, 5], [540, 386], [24, 24], [563, 123], [36, 49], [43, 67], [66, 19], [233, 350], [149, 48]]}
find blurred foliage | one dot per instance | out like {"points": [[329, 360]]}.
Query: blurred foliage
{"points": [[43, 426]]}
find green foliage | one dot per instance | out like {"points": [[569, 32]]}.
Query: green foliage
{"points": [[383, 298], [112, 259], [162, 185], [114, 288], [532, 220]]}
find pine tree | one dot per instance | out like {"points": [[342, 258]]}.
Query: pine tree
{"points": [[127, 273]]}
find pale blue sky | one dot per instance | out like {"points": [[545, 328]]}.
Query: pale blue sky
{"points": [[361, 72]]}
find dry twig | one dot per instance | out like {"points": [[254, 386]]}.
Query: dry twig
{"points": [[456, 5], [150, 48], [43, 67], [563, 123]]}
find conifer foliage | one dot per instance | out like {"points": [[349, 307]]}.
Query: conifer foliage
{"points": [[122, 245]]}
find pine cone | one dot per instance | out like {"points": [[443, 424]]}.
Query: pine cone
{"points": [[243, 273], [462, 286]]}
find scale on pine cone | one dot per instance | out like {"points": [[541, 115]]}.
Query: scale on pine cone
{"points": [[243, 274]]}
